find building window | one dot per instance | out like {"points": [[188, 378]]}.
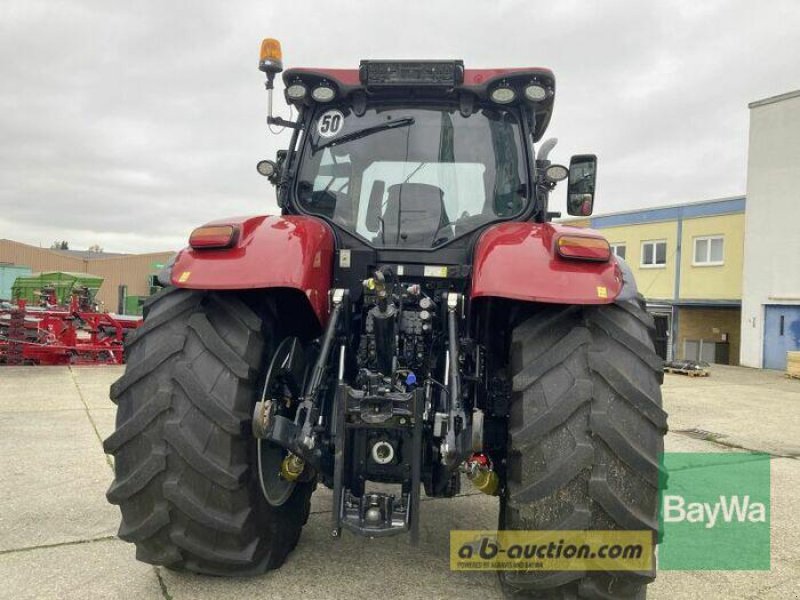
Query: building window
{"points": [[708, 250], [654, 253], [618, 249]]}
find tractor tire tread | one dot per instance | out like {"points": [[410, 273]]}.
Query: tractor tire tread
{"points": [[207, 402], [586, 431], [138, 422], [189, 497], [217, 346]]}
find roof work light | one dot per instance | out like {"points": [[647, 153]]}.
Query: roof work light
{"points": [[503, 94], [535, 92]]}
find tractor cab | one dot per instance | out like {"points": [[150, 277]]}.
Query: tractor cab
{"points": [[416, 155]]}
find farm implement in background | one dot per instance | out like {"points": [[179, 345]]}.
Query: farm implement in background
{"points": [[70, 334]]}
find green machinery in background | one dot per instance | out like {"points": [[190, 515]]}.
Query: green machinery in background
{"points": [[62, 283], [132, 305]]}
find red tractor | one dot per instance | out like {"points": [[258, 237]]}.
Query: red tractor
{"points": [[411, 315]]}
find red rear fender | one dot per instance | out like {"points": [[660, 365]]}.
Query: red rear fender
{"points": [[519, 261], [270, 252]]}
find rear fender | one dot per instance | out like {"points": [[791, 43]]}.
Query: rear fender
{"points": [[519, 261], [294, 252]]}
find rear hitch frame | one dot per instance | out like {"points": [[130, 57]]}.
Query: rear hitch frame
{"points": [[375, 514], [298, 435]]}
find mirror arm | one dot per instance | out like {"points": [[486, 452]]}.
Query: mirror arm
{"points": [[282, 189], [283, 122], [546, 148]]}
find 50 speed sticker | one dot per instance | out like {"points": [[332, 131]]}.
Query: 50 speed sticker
{"points": [[330, 123]]}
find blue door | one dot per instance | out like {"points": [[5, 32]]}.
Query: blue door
{"points": [[781, 335]]}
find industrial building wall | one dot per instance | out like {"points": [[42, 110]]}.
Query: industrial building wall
{"points": [[131, 270], [38, 259], [712, 325], [654, 282], [772, 229], [705, 281], [717, 281]]}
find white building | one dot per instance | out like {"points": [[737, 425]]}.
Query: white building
{"points": [[771, 282]]}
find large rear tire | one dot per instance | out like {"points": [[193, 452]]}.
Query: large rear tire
{"points": [[183, 452], [586, 433]]}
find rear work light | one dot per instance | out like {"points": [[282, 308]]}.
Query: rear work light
{"points": [[503, 94], [297, 91], [417, 73], [582, 247], [323, 93], [213, 236]]}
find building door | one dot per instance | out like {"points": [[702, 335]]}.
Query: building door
{"points": [[781, 335], [661, 338]]}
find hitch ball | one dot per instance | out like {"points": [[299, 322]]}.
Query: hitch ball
{"points": [[382, 452]]}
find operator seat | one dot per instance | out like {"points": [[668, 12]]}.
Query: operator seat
{"points": [[415, 215]]}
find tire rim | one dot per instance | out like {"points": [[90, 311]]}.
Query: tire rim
{"points": [[275, 488]]}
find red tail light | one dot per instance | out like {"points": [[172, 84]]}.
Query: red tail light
{"points": [[583, 248], [213, 236]]}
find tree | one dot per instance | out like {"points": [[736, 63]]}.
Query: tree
{"points": [[95, 248], [62, 245]]}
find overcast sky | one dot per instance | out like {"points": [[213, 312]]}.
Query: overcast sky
{"points": [[128, 123]]}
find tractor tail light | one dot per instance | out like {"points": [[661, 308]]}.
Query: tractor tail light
{"points": [[583, 248], [213, 236]]}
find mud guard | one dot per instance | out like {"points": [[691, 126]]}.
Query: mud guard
{"points": [[519, 261], [293, 252]]}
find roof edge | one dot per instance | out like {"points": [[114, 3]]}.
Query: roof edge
{"points": [[632, 211], [774, 99]]}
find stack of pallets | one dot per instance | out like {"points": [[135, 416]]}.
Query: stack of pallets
{"points": [[793, 364], [687, 367]]}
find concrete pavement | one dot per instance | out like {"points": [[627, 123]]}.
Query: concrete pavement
{"points": [[57, 531]]}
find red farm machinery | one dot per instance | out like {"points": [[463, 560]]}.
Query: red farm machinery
{"points": [[54, 320]]}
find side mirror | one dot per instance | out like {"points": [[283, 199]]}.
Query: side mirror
{"points": [[580, 193]]}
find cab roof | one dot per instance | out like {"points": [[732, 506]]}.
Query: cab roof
{"points": [[354, 83]]}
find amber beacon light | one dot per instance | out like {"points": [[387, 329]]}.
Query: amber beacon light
{"points": [[271, 58]]}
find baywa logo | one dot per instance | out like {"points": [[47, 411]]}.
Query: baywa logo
{"points": [[715, 511], [729, 509]]}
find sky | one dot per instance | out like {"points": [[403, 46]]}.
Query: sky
{"points": [[127, 124]]}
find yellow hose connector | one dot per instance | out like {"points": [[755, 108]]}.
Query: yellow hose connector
{"points": [[480, 473], [292, 467], [486, 482]]}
